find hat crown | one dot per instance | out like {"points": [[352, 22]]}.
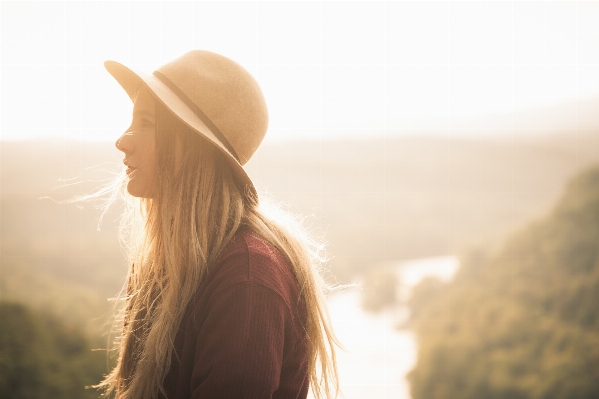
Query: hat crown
{"points": [[227, 95]]}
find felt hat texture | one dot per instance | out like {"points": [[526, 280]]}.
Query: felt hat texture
{"points": [[213, 95]]}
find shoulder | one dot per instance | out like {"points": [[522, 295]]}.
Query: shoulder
{"points": [[243, 334], [250, 259]]}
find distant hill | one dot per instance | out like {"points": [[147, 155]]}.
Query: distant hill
{"points": [[53, 256], [42, 358], [374, 201], [576, 116], [386, 200], [563, 118], [520, 323]]}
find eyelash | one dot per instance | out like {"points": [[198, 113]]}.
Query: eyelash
{"points": [[141, 123]]}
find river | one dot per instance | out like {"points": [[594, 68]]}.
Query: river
{"points": [[378, 355]]}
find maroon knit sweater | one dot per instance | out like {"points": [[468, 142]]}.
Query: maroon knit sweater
{"points": [[242, 335]]}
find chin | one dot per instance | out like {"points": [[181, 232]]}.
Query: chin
{"points": [[136, 191]]}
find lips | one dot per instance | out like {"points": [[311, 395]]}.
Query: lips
{"points": [[130, 168]]}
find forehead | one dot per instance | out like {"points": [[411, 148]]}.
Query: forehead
{"points": [[143, 102]]}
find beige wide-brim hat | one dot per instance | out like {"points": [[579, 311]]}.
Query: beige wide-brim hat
{"points": [[213, 95]]}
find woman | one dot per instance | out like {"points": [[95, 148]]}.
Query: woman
{"points": [[221, 301]]}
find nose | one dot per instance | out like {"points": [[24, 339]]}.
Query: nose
{"points": [[124, 143]]}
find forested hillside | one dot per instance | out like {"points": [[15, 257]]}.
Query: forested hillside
{"points": [[41, 357], [522, 323], [374, 201]]}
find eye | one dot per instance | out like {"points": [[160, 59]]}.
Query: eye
{"points": [[146, 123]]}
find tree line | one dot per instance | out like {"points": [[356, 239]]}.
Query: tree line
{"points": [[42, 357], [522, 323]]}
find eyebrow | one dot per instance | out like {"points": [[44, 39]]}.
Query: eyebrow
{"points": [[143, 112]]}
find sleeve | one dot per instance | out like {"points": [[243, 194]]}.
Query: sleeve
{"points": [[239, 351]]}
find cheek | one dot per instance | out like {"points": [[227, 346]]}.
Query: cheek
{"points": [[178, 154], [141, 184], [150, 162], [147, 172], [149, 150]]}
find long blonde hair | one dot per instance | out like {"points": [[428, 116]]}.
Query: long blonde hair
{"points": [[172, 241]]}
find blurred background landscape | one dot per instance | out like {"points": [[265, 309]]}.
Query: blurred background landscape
{"points": [[446, 152], [377, 203]]}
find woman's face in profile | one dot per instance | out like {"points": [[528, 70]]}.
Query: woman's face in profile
{"points": [[138, 144]]}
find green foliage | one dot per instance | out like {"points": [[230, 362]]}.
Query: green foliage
{"points": [[379, 289], [523, 323], [77, 304], [378, 201], [41, 357]]}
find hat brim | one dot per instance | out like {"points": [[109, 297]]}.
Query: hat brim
{"points": [[131, 80]]}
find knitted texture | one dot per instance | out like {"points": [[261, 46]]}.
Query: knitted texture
{"points": [[242, 335]]}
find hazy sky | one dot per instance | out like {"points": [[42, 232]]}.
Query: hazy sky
{"points": [[396, 66]]}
